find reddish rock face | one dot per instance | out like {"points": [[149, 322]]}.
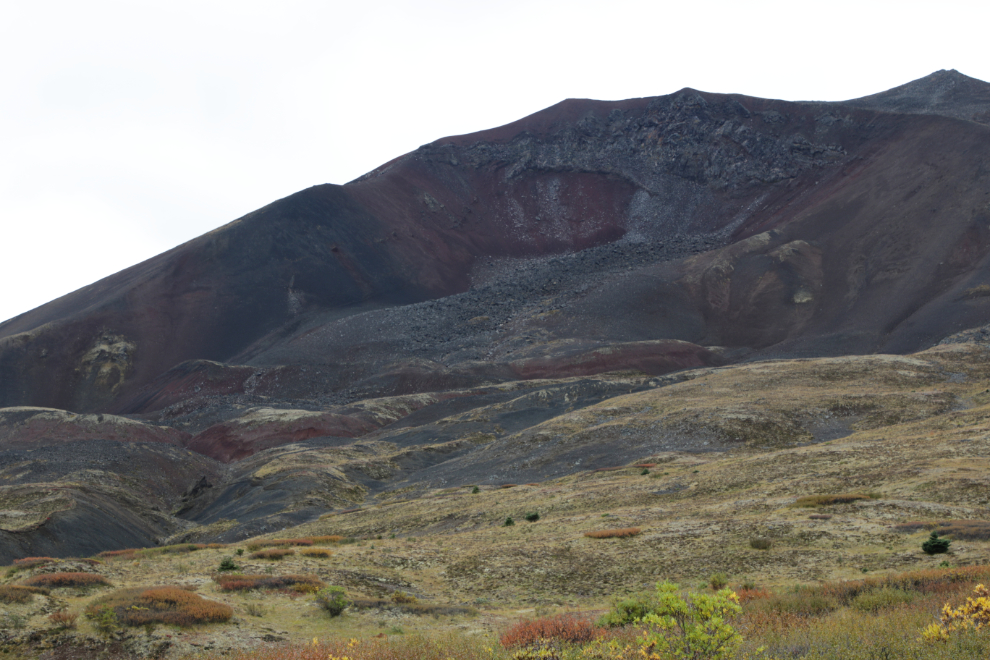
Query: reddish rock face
{"points": [[265, 428], [32, 427], [651, 234]]}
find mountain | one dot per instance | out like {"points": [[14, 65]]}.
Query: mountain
{"points": [[391, 328]]}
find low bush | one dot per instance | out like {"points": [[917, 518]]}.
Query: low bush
{"points": [[613, 533], [627, 611], [330, 539], [32, 562], [167, 605], [59, 580], [882, 598], [11, 594], [333, 600], [118, 554], [820, 516], [760, 543], [718, 581], [827, 500], [292, 542], [316, 553], [532, 516], [273, 554], [300, 583], [560, 628], [63, 619], [402, 598], [509, 522]]}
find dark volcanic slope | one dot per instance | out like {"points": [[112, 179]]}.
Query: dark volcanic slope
{"points": [[947, 93], [483, 283], [877, 224]]}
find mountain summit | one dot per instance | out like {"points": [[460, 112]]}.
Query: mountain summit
{"points": [[947, 93]]}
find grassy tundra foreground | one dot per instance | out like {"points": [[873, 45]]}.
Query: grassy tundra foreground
{"points": [[820, 538]]}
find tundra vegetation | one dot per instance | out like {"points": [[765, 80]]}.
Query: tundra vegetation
{"points": [[817, 543]]}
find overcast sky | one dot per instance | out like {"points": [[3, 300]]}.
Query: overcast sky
{"points": [[130, 127]]}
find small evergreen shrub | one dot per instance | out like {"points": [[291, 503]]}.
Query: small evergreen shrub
{"points": [[333, 599], [935, 545], [533, 516], [227, 564], [240, 552], [475, 490], [509, 522]]}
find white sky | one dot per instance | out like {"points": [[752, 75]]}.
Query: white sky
{"points": [[129, 127]]}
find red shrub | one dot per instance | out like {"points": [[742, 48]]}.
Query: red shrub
{"points": [[561, 628], [57, 580], [63, 619], [118, 554], [318, 553]]}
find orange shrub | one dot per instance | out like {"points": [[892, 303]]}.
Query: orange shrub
{"points": [[57, 580], [318, 553], [324, 540], [747, 595], [33, 562], [296, 542], [613, 533], [168, 605], [63, 619], [273, 554], [118, 554], [560, 628], [248, 582]]}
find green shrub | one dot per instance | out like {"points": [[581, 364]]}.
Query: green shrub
{"points": [[718, 581], [693, 627], [881, 599], [935, 545], [475, 490], [533, 516], [240, 551], [625, 612], [509, 522], [333, 600], [227, 564]]}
